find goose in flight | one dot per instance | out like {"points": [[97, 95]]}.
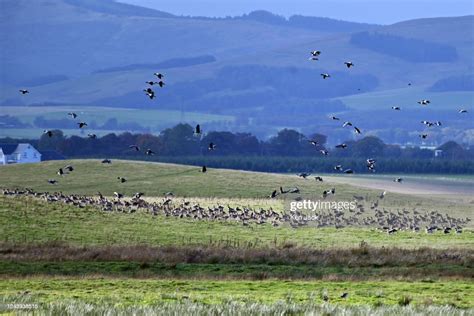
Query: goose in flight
{"points": [[324, 152], [424, 102], [348, 171], [149, 152], [347, 124], [150, 93], [342, 146], [134, 147], [348, 64], [335, 118], [24, 91], [304, 175], [72, 114], [423, 136], [48, 132], [161, 84], [313, 142], [82, 124], [325, 75], [315, 53], [463, 111], [338, 167], [197, 130], [357, 130], [93, 136], [160, 76], [151, 83], [396, 108], [313, 58], [398, 180], [211, 146]]}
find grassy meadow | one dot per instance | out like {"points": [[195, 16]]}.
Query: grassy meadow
{"points": [[62, 257]]}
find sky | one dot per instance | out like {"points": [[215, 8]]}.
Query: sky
{"points": [[370, 11]]}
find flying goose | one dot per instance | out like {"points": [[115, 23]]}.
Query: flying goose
{"points": [[338, 167], [347, 124], [398, 180], [342, 146], [150, 93], [357, 130], [349, 64], [197, 130], [160, 76], [462, 111], [93, 136], [149, 152], [396, 108], [134, 147], [23, 91], [423, 136], [324, 152], [211, 146], [82, 124], [313, 142], [348, 171], [424, 102], [151, 82], [335, 118], [325, 75], [304, 175], [315, 53], [74, 115], [48, 132]]}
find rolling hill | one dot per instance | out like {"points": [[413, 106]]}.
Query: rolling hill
{"points": [[101, 53]]}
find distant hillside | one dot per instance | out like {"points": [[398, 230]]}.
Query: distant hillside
{"points": [[454, 83], [253, 67]]}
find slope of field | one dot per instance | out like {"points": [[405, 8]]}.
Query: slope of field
{"points": [[407, 98]]}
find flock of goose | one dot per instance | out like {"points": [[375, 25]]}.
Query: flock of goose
{"points": [[385, 220]]}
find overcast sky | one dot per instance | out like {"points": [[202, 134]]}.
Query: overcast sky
{"points": [[372, 11]]}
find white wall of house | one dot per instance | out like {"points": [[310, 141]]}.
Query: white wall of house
{"points": [[25, 153], [3, 158]]}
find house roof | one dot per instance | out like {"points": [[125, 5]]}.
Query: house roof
{"points": [[8, 149]]}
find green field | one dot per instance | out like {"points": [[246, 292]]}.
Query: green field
{"points": [[63, 256], [153, 118], [407, 98]]}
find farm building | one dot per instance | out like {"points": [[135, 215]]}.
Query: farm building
{"points": [[18, 153]]}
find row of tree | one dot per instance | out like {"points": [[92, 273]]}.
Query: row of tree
{"points": [[181, 140]]}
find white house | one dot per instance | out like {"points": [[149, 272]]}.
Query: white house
{"points": [[18, 153]]}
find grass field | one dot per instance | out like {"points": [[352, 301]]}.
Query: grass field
{"points": [[153, 119], [407, 98], [62, 257]]}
